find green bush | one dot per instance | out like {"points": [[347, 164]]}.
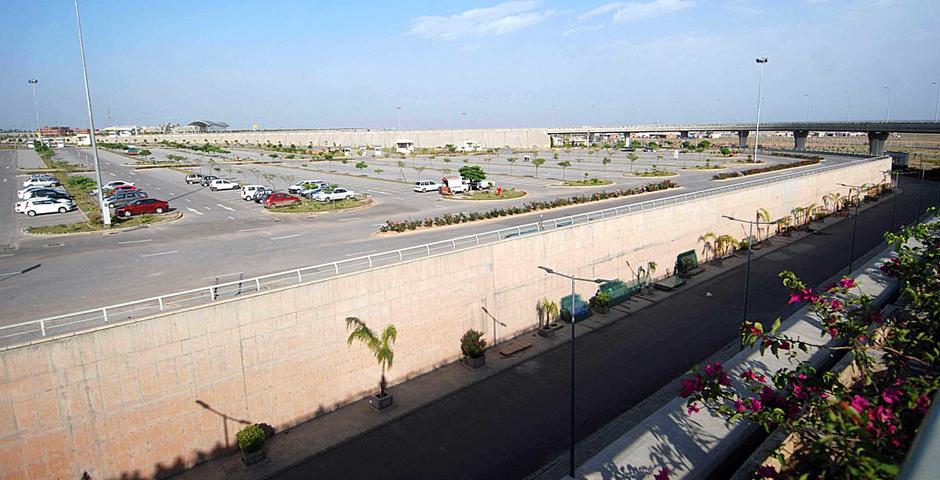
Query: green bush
{"points": [[84, 183], [601, 300], [250, 439], [472, 344]]}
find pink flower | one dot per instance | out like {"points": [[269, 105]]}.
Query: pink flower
{"points": [[783, 345], [662, 475], [748, 375], [881, 414], [835, 305], [767, 394], [767, 471], [847, 283], [761, 379], [793, 409], [859, 404], [739, 406], [922, 403], [723, 379], [891, 395], [830, 287], [693, 408], [833, 331], [795, 297], [755, 405]]}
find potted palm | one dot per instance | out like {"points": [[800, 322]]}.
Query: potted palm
{"points": [[251, 445], [548, 314], [381, 347], [473, 347]]}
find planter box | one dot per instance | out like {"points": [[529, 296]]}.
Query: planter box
{"points": [[474, 363], [546, 332], [602, 310], [253, 458], [378, 403]]}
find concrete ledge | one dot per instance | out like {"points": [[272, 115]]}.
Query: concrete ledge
{"points": [[693, 446]]}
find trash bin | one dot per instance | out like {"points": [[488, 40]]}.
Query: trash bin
{"points": [[581, 308]]}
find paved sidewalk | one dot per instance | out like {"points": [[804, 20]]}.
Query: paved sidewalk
{"points": [[510, 418]]}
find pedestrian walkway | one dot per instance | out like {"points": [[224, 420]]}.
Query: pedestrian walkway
{"points": [[510, 418]]}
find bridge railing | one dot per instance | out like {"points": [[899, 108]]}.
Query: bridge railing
{"points": [[70, 322]]}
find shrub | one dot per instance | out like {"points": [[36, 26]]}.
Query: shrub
{"points": [[601, 300], [251, 438], [472, 344]]}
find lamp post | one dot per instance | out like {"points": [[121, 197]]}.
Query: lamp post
{"points": [[463, 121], [750, 246], [897, 185], [920, 197], [105, 211], [33, 82], [854, 223], [760, 86], [936, 111], [807, 106], [848, 104], [888, 105], [573, 279], [399, 117], [553, 116]]}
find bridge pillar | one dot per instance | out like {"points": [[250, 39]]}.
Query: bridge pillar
{"points": [[742, 138], [877, 142], [684, 135], [799, 139]]}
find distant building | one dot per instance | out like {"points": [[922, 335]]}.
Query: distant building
{"points": [[404, 146], [56, 131], [122, 130], [209, 126]]}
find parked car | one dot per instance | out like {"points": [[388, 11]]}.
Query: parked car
{"points": [[193, 178], [20, 206], [248, 191], [116, 184], [313, 188], [123, 198], [46, 192], [425, 186], [36, 206], [143, 205], [304, 185], [22, 193], [41, 182], [206, 180], [222, 184], [481, 184], [275, 200], [336, 194], [313, 192], [119, 189], [260, 194], [627, 149]]}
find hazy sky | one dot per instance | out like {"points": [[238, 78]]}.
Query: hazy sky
{"points": [[450, 64]]}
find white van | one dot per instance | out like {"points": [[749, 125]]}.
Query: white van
{"points": [[249, 190]]}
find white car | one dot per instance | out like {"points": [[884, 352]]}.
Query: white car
{"points": [[425, 186], [303, 185], [222, 184], [248, 191], [36, 206], [336, 194], [112, 185], [41, 182], [22, 193]]}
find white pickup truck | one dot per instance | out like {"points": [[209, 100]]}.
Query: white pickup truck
{"points": [[336, 194], [454, 185]]}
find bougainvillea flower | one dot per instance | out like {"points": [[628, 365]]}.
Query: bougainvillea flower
{"points": [[662, 475], [748, 375], [767, 471], [891, 395], [847, 283], [922, 403], [755, 405], [739, 406], [767, 394], [723, 379], [881, 413], [795, 297], [693, 408], [859, 404]]}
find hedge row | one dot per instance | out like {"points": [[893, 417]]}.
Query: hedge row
{"points": [[771, 168]]}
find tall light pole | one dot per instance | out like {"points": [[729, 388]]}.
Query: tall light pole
{"points": [[760, 86], [399, 117], [897, 185], [33, 82], [718, 112], [750, 246], [854, 224], [807, 106], [105, 211], [553, 116], [888, 105], [571, 312], [463, 121], [936, 111], [848, 104]]}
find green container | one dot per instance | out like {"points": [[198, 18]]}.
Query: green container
{"points": [[618, 291], [686, 262], [581, 308]]}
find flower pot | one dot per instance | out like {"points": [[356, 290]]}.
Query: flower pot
{"points": [[378, 402], [546, 332], [474, 363], [602, 310], [253, 458]]}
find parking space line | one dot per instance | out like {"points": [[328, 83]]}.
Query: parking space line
{"points": [[347, 219], [207, 208], [188, 200], [161, 253], [376, 191], [233, 218], [113, 175], [253, 229], [197, 212], [223, 275], [286, 236], [227, 208], [6, 255], [135, 241], [377, 225]]}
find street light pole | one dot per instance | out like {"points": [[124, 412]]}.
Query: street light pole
{"points": [[760, 86], [888, 105], [894, 208], [105, 211], [750, 246], [399, 117], [854, 224], [848, 104], [571, 312], [936, 112], [807, 106], [33, 82]]}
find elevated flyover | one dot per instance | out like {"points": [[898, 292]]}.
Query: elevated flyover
{"points": [[878, 132]]}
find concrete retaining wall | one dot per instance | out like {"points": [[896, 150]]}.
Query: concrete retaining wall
{"points": [[516, 137], [153, 395]]}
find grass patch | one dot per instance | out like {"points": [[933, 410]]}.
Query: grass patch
{"points": [[81, 227], [586, 183], [655, 172], [705, 167], [491, 195], [315, 206]]}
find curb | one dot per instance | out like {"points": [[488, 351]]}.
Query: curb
{"points": [[101, 232], [371, 204]]}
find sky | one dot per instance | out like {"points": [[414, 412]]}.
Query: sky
{"points": [[467, 64]]}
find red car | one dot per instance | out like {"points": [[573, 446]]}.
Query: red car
{"points": [[144, 205], [122, 188], [275, 200]]}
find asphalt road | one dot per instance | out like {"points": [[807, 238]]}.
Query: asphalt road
{"points": [[511, 424], [222, 237]]}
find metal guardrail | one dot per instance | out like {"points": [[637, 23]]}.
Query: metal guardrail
{"points": [[36, 329]]}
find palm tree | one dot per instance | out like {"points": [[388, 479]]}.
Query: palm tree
{"points": [[511, 161], [633, 158], [401, 169], [547, 311], [763, 216], [564, 167], [709, 239], [722, 243], [380, 347], [605, 161], [538, 162]]}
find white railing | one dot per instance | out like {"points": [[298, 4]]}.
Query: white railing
{"points": [[35, 329]]}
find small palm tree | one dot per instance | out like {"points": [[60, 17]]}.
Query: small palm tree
{"points": [[709, 239], [723, 243], [380, 347], [762, 216], [547, 310]]}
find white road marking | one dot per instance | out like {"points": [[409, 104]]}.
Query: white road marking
{"points": [[348, 219], [233, 218], [161, 253], [223, 275], [194, 211], [132, 173], [7, 255], [287, 236], [253, 229], [8, 274], [135, 241], [359, 254], [227, 208], [171, 193], [376, 191], [188, 200], [207, 208], [113, 175], [377, 225], [5, 180]]}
